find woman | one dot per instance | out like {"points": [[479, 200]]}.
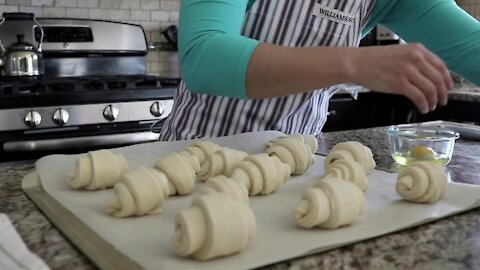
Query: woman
{"points": [[274, 64]]}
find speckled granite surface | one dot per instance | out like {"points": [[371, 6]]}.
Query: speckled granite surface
{"points": [[473, 96], [452, 243], [464, 93]]}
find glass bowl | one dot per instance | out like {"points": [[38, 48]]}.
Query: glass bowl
{"points": [[410, 143]]}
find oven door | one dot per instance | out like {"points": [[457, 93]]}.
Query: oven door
{"points": [[33, 144]]}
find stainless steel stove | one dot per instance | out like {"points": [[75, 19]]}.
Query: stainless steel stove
{"points": [[94, 91]]}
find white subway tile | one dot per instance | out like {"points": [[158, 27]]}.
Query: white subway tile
{"points": [[174, 66], [88, 3], [143, 15], [133, 22], [38, 11], [164, 56], [81, 13], [156, 36], [150, 4], [150, 26], [99, 14], [54, 12], [167, 56], [148, 35], [165, 24], [65, 3], [130, 4], [42, 3], [119, 15], [170, 5], [153, 57], [172, 56], [174, 16], [110, 4], [160, 16], [8, 8], [18, 2], [159, 67]]}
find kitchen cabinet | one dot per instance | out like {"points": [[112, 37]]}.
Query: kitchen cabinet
{"points": [[345, 112], [373, 109], [369, 110], [461, 111]]}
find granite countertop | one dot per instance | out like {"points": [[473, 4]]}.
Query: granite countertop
{"points": [[451, 243], [463, 93]]}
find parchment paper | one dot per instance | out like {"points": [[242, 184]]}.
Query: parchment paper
{"points": [[147, 240]]}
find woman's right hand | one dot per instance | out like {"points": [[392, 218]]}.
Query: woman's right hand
{"points": [[410, 70]]}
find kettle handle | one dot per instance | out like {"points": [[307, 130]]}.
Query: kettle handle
{"points": [[18, 16], [22, 16], [42, 34]]}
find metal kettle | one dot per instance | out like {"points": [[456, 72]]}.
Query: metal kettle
{"points": [[22, 58]]}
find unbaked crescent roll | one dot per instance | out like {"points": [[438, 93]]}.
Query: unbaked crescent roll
{"points": [[227, 186], [97, 170], [292, 151], [331, 203], [421, 182], [180, 170], [261, 174], [220, 163], [140, 192], [213, 226], [201, 150], [353, 151], [309, 140], [348, 170]]}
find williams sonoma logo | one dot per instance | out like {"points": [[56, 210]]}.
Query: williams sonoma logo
{"points": [[333, 14]]}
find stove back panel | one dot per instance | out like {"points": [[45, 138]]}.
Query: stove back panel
{"points": [[94, 66]]}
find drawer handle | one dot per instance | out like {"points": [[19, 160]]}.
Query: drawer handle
{"points": [[331, 113]]}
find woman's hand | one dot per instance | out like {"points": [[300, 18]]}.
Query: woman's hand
{"points": [[410, 70]]}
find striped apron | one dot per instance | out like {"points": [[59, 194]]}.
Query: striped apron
{"points": [[292, 23]]}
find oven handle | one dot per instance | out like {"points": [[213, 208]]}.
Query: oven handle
{"points": [[78, 142]]}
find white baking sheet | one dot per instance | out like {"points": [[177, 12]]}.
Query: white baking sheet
{"points": [[147, 240]]}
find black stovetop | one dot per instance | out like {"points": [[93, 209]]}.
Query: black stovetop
{"points": [[18, 92]]}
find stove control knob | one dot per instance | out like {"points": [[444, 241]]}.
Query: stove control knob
{"points": [[32, 119], [110, 112], [60, 117], [157, 109]]}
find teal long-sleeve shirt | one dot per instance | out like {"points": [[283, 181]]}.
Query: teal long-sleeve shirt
{"points": [[214, 55]]}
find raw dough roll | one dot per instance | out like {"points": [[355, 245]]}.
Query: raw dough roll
{"points": [[421, 182], [97, 170], [180, 171], [353, 151], [292, 151], [309, 140], [330, 204], [202, 149], [348, 170], [226, 185], [261, 174], [214, 225], [220, 163], [140, 192]]}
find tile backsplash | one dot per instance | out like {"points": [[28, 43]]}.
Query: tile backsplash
{"points": [[153, 15], [470, 6]]}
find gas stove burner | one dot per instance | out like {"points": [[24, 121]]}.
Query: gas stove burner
{"points": [[94, 86], [46, 91], [61, 86], [10, 86], [116, 85]]}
